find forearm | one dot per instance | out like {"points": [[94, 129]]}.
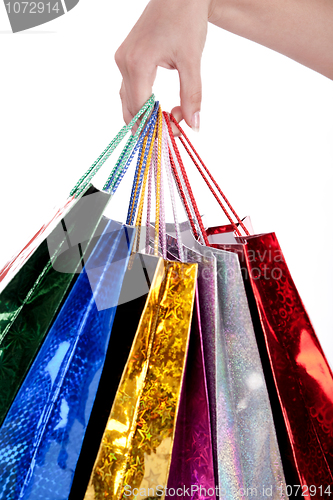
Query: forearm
{"points": [[299, 29]]}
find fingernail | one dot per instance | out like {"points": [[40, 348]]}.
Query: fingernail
{"points": [[195, 123]]}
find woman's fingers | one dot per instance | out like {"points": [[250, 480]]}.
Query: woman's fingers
{"points": [[171, 35], [138, 78], [178, 115], [127, 115], [190, 92]]}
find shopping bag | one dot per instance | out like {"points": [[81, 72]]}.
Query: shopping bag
{"points": [[64, 371], [209, 321], [246, 451], [137, 443], [191, 468], [248, 458], [299, 370], [35, 282], [302, 376], [41, 436], [138, 279], [30, 301]]}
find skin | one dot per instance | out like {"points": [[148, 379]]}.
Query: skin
{"points": [[172, 34]]}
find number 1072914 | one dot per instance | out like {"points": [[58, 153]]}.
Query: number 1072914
{"points": [[32, 7], [305, 491]]}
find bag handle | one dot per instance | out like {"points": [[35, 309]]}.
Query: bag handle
{"points": [[184, 193], [86, 178], [168, 170], [119, 170], [150, 187], [181, 138], [136, 180], [142, 170], [158, 180], [147, 172], [146, 142], [187, 184], [150, 162]]}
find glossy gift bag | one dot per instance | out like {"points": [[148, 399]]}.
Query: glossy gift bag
{"points": [[303, 380], [31, 299], [246, 453], [43, 430], [41, 436], [298, 376], [35, 282], [137, 443]]}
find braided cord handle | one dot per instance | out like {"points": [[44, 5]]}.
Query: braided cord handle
{"points": [[187, 183], [140, 169], [222, 195], [167, 164], [118, 173], [158, 181], [138, 221], [135, 186], [86, 178], [147, 165]]}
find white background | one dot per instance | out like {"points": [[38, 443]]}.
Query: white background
{"points": [[266, 134]]}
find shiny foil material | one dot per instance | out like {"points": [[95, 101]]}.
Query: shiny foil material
{"points": [[41, 436], [210, 327], [137, 282], [247, 450], [191, 466], [8, 272], [249, 458], [137, 442], [299, 375], [30, 301], [302, 374]]}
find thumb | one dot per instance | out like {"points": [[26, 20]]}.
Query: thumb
{"points": [[190, 93]]}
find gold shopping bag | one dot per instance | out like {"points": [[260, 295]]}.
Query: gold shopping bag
{"points": [[135, 452]]}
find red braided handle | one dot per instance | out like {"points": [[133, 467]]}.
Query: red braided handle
{"points": [[181, 191], [182, 168], [212, 179]]}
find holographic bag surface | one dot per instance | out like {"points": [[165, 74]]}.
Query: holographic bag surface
{"points": [[191, 469], [136, 447], [41, 436], [297, 374], [137, 283], [43, 430], [302, 374], [246, 453], [31, 299], [301, 378], [35, 282]]}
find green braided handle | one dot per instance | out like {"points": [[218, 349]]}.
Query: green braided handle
{"points": [[86, 178]]}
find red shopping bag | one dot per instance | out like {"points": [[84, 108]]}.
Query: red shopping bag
{"points": [[299, 376]]}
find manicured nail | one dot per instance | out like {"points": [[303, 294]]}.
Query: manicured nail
{"points": [[195, 123]]}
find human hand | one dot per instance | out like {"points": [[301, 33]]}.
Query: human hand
{"points": [[170, 34]]}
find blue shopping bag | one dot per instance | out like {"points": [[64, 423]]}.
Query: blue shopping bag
{"points": [[41, 437]]}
